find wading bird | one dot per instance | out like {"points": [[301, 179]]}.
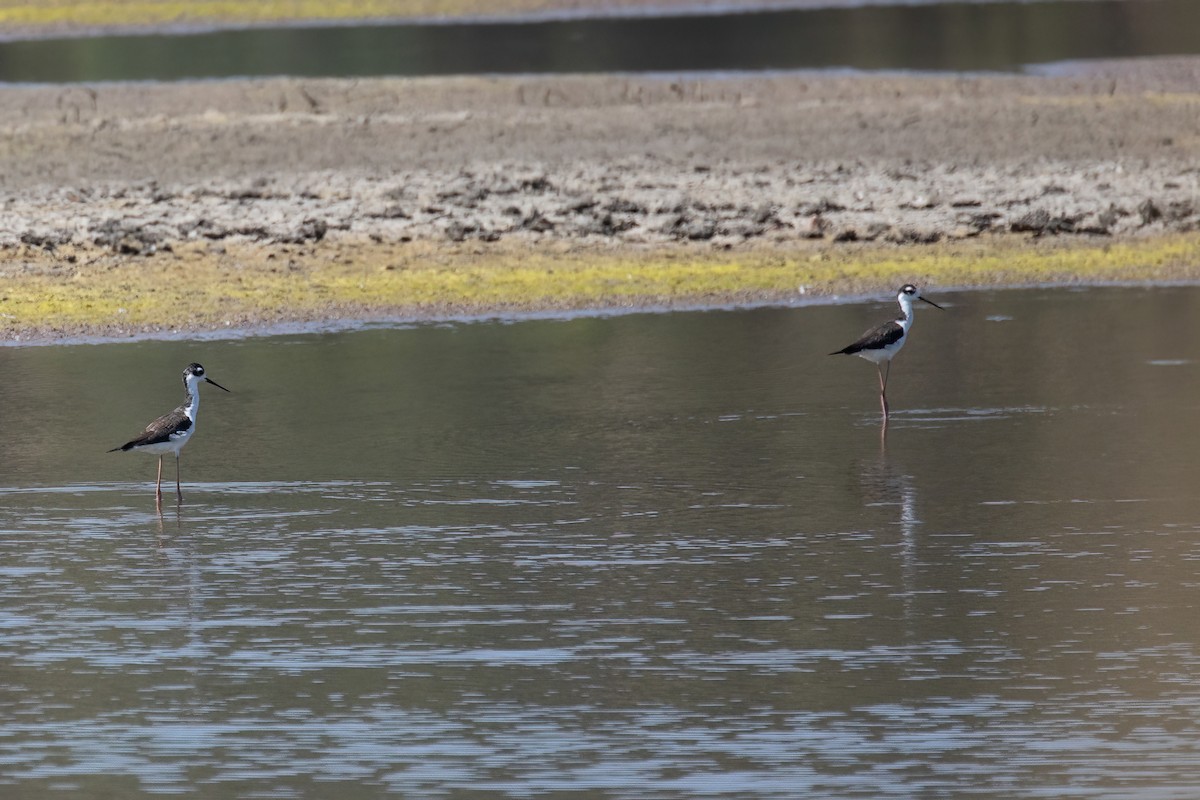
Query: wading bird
{"points": [[170, 432], [882, 343]]}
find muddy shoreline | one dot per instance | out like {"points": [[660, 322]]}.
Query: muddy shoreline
{"points": [[259, 173]]}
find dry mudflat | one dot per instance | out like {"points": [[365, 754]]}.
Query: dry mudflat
{"points": [[249, 194]]}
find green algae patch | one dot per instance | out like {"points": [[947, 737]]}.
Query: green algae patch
{"points": [[248, 286], [151, 13], [1011, 260]]}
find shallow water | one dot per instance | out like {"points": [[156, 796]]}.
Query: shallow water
{"points": [[647, 556], [1006, 35]]}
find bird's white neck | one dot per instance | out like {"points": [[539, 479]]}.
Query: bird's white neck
{"points": [[191, 405], [907, 309]]}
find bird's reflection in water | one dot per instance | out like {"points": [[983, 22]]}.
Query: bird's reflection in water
{"points": [[182, 573], [884, 483]]}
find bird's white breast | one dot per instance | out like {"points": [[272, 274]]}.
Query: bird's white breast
{"points": [[176, 443], [880, 354]]}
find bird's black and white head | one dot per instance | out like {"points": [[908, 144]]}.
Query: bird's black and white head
{"points": [[193, 376], [909, 293]]}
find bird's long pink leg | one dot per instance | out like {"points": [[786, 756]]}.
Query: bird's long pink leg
{"points": [[158, 487], [178, 488], [883, 389]]}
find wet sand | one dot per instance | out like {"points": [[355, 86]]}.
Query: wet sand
{"points": [[112, 190]]}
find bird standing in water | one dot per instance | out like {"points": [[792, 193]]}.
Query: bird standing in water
{"points": [[170, 432], [882, 343]]}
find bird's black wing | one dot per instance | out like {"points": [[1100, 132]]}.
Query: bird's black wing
{"points": [[160, 430], [874, 339]]}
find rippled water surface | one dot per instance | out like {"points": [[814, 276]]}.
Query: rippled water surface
{"points": [[646, 556]]}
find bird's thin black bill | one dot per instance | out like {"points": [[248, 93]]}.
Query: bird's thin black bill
{"points": [[219, 386]]}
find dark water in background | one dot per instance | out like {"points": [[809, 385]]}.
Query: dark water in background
{"points": [[953, 37], [646, 556]]}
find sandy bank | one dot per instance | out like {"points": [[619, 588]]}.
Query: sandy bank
{"points": [[254, 176]]}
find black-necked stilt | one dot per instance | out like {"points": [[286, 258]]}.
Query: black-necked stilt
{"points": [[882, 343], [170, 432]]}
